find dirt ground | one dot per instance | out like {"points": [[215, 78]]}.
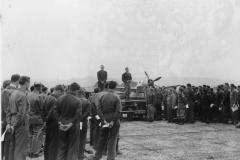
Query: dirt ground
{"points": [[166, 141]]}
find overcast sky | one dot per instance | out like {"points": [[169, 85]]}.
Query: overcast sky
{"points": [[44, 39]]}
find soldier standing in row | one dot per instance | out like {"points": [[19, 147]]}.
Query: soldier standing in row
{"points": [[102, 77], [181, 106], [226, 104], [86, 110], [191, 102], [17, 120], [233, 103], [5, 101], [52, 131], [109, 110], [127, 79], [68, 112], [35, 119]]}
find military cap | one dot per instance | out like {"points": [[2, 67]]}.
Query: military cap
{"points": [[204, 85], [15, 78], [37, 84], [6, 83], [57, 88], [24, 79], [74, 86]]}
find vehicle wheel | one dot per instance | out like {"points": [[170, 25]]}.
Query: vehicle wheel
{"points": [[130, 116]]}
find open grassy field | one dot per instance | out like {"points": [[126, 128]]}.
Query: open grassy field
{"points": [[166, 141]]}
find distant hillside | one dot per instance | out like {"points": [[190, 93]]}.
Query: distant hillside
{"points": [[166, 81]]}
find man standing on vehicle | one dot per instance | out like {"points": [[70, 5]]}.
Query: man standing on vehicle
{"points": [[102, 77], [127, 79]]}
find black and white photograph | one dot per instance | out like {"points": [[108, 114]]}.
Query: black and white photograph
{"points": [[120, 79]]}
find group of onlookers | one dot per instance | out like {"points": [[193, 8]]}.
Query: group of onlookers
{"points": [[62, 116], [186, 104]]}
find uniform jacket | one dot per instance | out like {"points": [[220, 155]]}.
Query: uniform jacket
{"points": [[110, 107], [219, 98], [102, 76], [126, 77], [151, 99], [17, 111], [206, 99], [68, 109], [5, 101], [226, 98], [49, 103], [36, 108], [171, 100], [86, 110], [181, 101], [190, 95], [233, 97], [158, 97]]}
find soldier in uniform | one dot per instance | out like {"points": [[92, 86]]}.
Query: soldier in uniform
{"points": [[8, 89], [109, 110], [171, 99], [102, 77], [52, 131], [181, 106], [93, 114], [35, 118], [68, 113], [127, 79], [86, 110], [218, 103], [233, 102], [190, 95], [17, 120], [158, 104], [226, 104], [150, 105], [206, 106], [96, 102]]}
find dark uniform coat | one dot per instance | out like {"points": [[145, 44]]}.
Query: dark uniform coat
{"points": [[102, 76], [17, 116], [68, 110], [52, 131]]}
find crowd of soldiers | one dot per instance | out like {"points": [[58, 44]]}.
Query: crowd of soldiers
{"points": [[186, 104], [62, 116]]}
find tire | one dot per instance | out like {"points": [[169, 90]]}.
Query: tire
{"points": [[130, 116]]}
